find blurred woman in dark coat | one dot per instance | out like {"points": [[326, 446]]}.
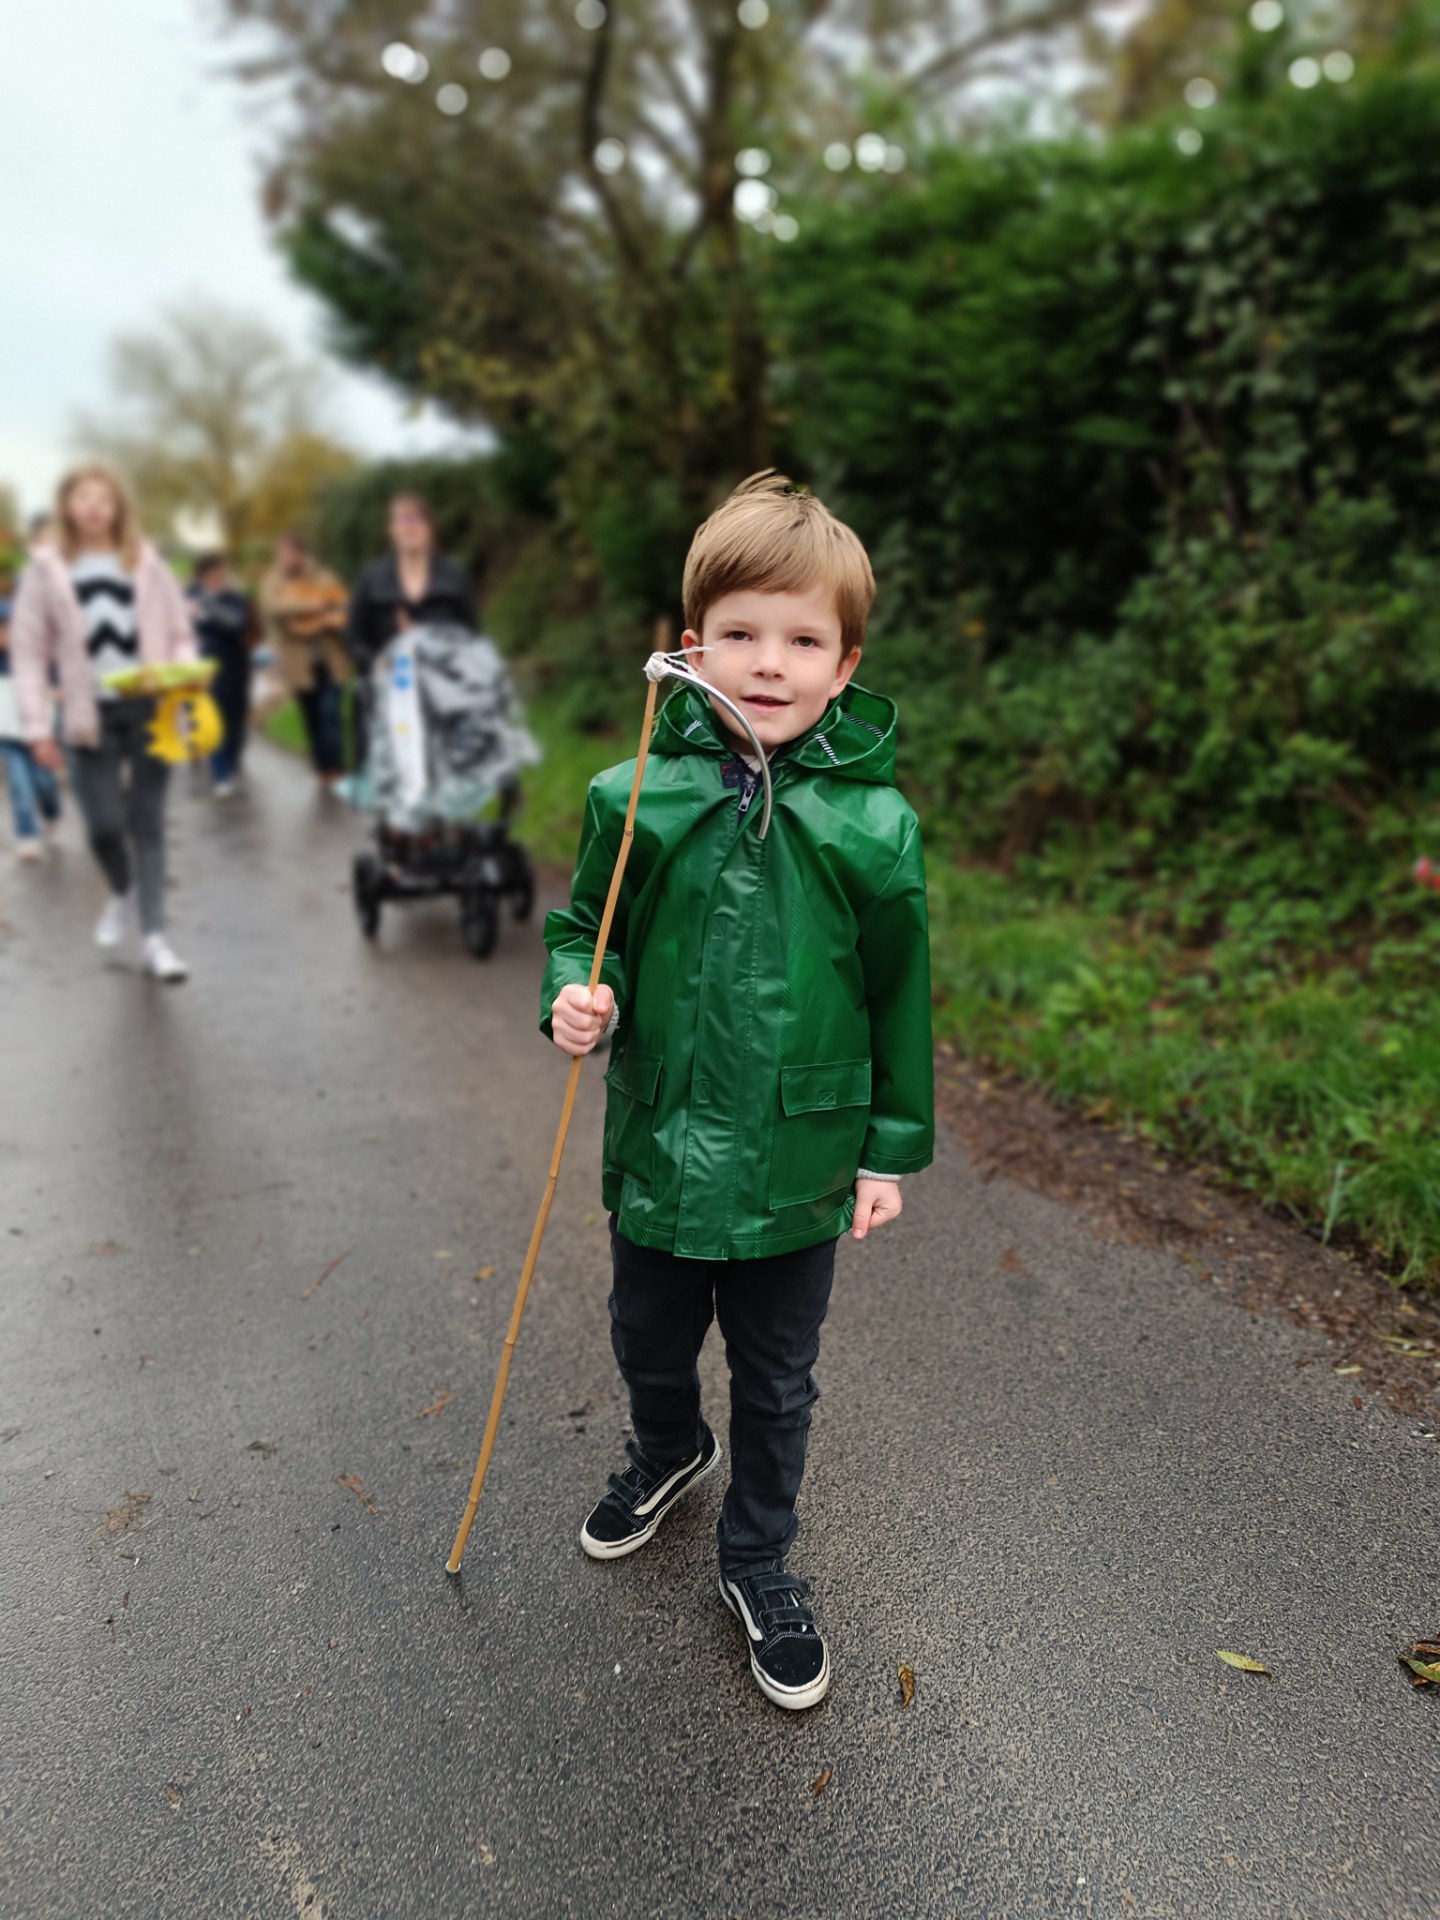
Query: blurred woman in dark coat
{"points": [[411, 586]]}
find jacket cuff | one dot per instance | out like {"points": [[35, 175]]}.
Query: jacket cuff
{"points": [[867, 1173]]}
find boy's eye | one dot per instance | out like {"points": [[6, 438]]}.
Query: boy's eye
{"points": [[806, 640], [737, 633]]}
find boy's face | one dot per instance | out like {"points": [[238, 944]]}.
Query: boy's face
{"points": [[777, 655]]}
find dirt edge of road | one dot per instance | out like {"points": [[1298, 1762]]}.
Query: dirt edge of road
{"points": [[1380, 1339]]}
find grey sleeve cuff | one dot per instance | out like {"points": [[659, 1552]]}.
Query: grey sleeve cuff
{"points": [[864, 1173]]}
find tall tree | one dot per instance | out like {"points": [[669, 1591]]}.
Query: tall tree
{"points": [[1232, 47], [555, 214], [203, 406]]}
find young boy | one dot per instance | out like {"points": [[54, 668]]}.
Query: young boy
{"points": [[771, 1077]]}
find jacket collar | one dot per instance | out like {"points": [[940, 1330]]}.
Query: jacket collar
{"points": [[854, 738]]}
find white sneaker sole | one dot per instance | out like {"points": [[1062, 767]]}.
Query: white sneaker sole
{"points": [[617, 1549], [793, 1699], [109, 937]]}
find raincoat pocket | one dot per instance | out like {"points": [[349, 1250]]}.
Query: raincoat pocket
{"points": [[819, 1131], [633, 1080]]}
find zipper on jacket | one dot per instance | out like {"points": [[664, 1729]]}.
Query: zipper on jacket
{"points": [[736, 774]]}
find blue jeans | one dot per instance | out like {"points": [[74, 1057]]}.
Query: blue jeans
{"points": [[34, 792], [770, 1312]]}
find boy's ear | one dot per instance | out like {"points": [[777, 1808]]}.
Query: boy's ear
{"points": [[691, 641], [843, 672]]}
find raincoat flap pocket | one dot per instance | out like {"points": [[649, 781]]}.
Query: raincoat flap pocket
{"points": [[841, 1083], [636, 1075]]}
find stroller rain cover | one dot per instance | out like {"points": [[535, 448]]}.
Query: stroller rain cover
{"points": [[447, 732]]}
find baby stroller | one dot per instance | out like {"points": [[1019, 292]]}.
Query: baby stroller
{"points": [[446, 738]]}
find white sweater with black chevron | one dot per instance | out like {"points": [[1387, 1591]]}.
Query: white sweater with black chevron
{"points": [[106, 593]]}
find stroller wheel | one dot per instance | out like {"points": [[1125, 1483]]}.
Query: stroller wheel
{"points": [[479, 921], [366, 880], [522, 884]]}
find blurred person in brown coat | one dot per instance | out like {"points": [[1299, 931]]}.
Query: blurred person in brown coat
{"points": [[303, 608]]}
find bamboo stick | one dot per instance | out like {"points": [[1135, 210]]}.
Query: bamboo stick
{"points": [[527, 1272]]}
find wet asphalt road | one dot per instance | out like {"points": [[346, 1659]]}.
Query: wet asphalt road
{"points": [[1051, 1476]]}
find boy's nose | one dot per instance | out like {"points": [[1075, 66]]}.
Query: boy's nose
{"points": [[770, 658]]}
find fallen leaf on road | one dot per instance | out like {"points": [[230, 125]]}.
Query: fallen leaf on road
{"points": [[174, 1795], [145, 1360], [436, 1406], [907, 1685], [486, 1853], [818, 1786], [103, 1249], [267, 1447], [1357, 1403], [1423, 1660], [1010, 1262], [444, 1254], [485, 1273], [1346, 1369], [352, 1483], [325, 1273], [1243, 1662], [128, 1514]]}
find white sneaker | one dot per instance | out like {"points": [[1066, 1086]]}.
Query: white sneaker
{"points": [[30, 849], [160, 959], [114, 923]]}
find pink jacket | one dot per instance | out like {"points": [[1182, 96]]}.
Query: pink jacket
{"points": [[47, 624]]}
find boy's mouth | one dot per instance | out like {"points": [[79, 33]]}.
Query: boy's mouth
{"points": [[767, 702]]}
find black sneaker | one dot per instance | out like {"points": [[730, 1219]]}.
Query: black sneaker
{"points": [[788, 1657], [639, 1500]]}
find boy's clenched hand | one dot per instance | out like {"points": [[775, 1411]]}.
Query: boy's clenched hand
{"points": [[578, 1017], [876, 1203]]}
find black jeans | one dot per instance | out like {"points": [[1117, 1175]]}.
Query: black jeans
{"points": [[120, 786], [320, 706], [230, 690], [770, 1313]]}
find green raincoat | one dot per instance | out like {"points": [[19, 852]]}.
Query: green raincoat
{"points": [[774, 996]]}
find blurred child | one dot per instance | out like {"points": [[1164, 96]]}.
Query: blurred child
{"points": [[34, 790], [225, 626]]}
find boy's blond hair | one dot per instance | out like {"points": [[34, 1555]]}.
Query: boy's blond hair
{"points": [[769, 537]]}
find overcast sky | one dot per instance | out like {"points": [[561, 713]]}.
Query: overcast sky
{"points": [[129, 165]]}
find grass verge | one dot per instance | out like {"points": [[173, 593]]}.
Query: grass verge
{"points": [[1310, 1085]]}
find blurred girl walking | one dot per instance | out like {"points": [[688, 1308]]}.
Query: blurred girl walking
{"points": [[97, 599]]}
